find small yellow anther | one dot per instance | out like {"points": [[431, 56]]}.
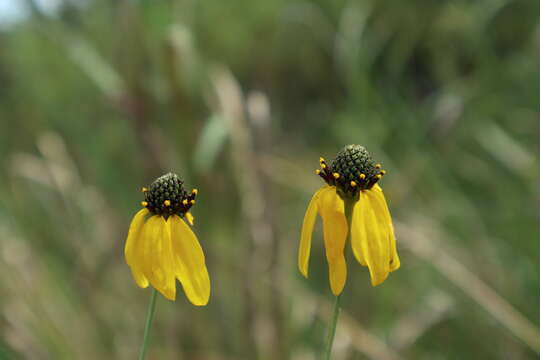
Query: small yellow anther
{"points": [[167, 203], [185, 202], [378, 166], [379, 176], [321, 160], [362, 176], [194, 191], [353, 184], [383, 172], [323, 165], [317, 171], [190, 218], [144, 203], [144, 189], [336, 175], [192, 202]]}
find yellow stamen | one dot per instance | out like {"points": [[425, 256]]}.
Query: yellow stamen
{"points": [[317, 171], [362, 176], [167, 203], [192, 202], [190, 218], [144, 203], [353, 184], [378, 166], [321, 160], [323, 166], [194, 191], [185, 202], [383, 172], [336, 175], [144, 189], [379, 176]]}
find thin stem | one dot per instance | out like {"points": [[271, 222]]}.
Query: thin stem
{"points": [[148, 326], [332, 330], [349, 205]]}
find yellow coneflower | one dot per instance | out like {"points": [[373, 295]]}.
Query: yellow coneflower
{"points": [[351, 199], [161, 247]]}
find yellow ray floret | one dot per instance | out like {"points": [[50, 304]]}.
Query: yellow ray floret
{"points": [[307, 230], [330, 206], [335, 231], [132, 243], [160, 251], [189, 262], [372, 235]]}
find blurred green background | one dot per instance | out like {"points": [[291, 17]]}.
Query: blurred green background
{"points": [[240, 98]]}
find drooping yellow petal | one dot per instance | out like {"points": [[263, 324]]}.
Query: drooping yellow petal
{"points": [[395, 263], [157, 256], [132, 242], [190, 218], [167, 263], [307, 230], [133, 234], [331, 209], [370, 237], [358, 234], [190, 263], [394, 258]]}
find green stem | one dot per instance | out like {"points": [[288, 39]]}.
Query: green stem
{"points": [[149, 318], [332, 330], [349, 205]]}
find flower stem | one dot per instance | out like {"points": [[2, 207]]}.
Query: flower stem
{"points": [[149, 318], [349, 205], [332, 330]]}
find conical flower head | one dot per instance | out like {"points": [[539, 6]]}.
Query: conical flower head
{"points": [[351, 171], [352, 207], [166, 196], [352, 161], [161, 248]]}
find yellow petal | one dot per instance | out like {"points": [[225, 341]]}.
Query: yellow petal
{"points": [[370, 237], [307, 230], [395, 263], [132, 242], [190, 263], [134, 231], [157, 256], [190, 218], [358, 234], [394, 258], [168, 265], [331, 208]]}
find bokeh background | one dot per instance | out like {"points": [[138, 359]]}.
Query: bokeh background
{"points": [[240, 98]]}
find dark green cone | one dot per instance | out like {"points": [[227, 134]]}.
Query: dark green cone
{"points": [[352, 165], [168, 187]]}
